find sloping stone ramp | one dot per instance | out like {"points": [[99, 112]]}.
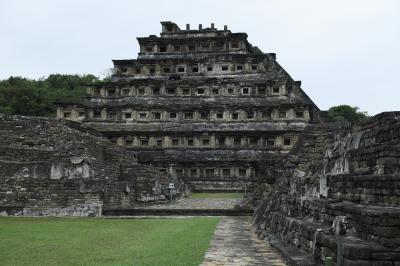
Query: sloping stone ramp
{"points": [[235, 244]]}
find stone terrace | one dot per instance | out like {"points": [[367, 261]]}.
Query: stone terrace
{"points": [[55, 167], [338, 195]]}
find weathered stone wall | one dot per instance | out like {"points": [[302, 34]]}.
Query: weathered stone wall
{"points": [[338, 195], [56, 167]]}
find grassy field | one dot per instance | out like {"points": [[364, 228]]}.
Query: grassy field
{"points": [[227, 195], [84, 241]]}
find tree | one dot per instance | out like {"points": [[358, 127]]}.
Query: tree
{"points": [[24, 96], [346, 113], [107, 74]]}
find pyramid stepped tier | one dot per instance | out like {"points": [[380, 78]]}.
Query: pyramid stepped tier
{"points": [[203, 103], [343, 203]]}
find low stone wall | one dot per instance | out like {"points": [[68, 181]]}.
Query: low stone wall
{"points": [[219, 185]]}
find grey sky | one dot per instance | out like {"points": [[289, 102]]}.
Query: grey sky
{"points": [[344, 51]]}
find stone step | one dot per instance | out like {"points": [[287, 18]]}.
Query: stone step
{"points": [[370, 189], [300, 241], [370, 222], [222, 190], [355, 251], [372, 214], [177, 212], [294, 256], [366, 189]]}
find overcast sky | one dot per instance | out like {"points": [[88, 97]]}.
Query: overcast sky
{"points": [[343, 51]]}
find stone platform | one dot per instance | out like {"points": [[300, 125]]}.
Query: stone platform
{"points": [[188, 206], [194, 203]]}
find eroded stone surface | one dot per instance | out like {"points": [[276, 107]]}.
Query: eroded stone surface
{"points": [[234, 243], [338, 193], [55, 167], [189, 204]]}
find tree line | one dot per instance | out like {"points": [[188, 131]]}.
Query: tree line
{"points": [[23, 96]]}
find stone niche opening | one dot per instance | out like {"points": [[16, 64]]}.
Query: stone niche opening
{"points": [[200, 91], [171, 91], [125, 92], [111, 92], [76, 169], [235, 45], [172, 115], [190, 142], [186, 91], [157, 115], [204, 115], [156, 91]]}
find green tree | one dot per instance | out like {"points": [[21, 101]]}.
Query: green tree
{"points": [[346, 113], [24, 96]]}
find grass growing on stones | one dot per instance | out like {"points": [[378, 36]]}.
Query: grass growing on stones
{"points": [[227, 195], [85, 241]]}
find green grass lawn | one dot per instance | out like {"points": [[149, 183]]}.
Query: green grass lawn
{"points": [[85, 241], [227, 195]]}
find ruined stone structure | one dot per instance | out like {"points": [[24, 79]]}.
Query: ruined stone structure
{"points": [[203, 102], [338, 195], [207, 107], [56, 167]]}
